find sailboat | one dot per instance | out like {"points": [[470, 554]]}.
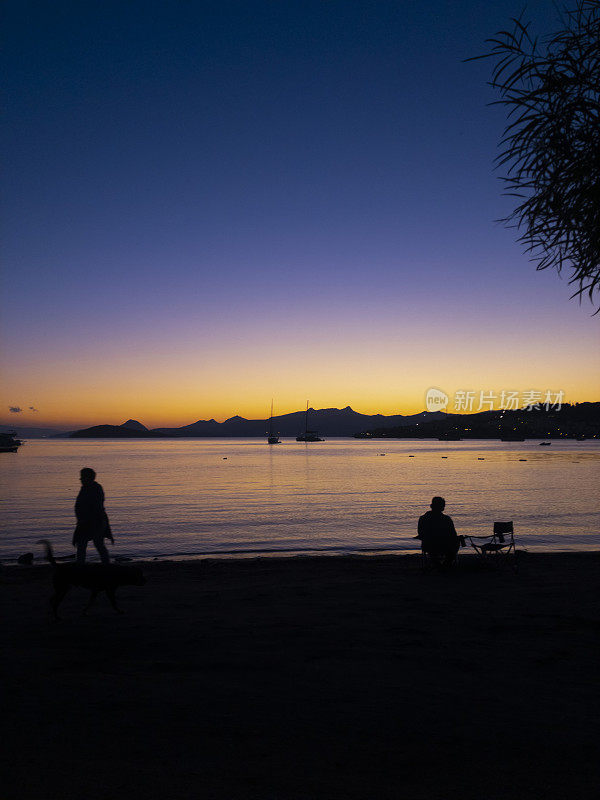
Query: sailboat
{"points": [[308, 436], [272, 438]]}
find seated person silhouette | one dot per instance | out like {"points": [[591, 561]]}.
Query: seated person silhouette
{"points": [[438, 535]]}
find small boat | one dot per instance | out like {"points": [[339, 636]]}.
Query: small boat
{"points": [[9, 442], [580, 438], [545, 444], [272, 438], [308, 436]]}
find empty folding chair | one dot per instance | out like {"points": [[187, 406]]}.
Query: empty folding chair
{"points": [[497, 548]]}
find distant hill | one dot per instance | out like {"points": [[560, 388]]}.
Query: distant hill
{"points": [[112, 432], [327, 421], [582, 419], [571, 421], [133, 425]]}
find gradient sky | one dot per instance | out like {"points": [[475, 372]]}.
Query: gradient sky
{"points": [[209, 204]]}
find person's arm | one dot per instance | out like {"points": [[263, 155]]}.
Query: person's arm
{"points": [[107, 530], [420, 528], [84, 507], [98, 502]]}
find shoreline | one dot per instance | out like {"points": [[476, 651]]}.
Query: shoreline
{"points": [[293, 553], [292, 439]]}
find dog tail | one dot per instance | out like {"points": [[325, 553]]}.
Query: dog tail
{"points": [[49, 553]]}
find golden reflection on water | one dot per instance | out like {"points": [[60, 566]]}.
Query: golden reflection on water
{"points": [[203, 496]]}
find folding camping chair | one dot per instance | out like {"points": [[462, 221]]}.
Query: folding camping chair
{"points": [[429, 561], [497, 548]]}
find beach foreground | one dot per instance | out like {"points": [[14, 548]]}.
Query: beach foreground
{"points": [[331, 677]]}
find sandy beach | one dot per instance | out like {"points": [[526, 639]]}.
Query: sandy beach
{"points": [[330, 677]]}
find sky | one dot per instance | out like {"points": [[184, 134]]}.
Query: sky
{"points": [[211, 204]]}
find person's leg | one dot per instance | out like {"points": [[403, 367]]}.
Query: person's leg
{"points": [[101, 548], [436, 558], [451, 553], [81, 548]]}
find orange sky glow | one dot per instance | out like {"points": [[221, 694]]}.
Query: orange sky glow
{"points": [[382, 371]]}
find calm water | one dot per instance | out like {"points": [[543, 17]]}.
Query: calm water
{"points": [[193, 497]]}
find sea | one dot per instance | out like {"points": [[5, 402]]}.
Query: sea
{"points": [[190, 498]]}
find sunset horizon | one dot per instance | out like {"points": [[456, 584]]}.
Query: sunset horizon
{"points": [[477, 400], [300, 399], [181, 243]]}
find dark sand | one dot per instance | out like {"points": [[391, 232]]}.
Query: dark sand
{"points": [[307, 678]]}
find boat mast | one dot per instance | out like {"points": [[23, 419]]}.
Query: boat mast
{"points": [[271, 420], [306, 420]]}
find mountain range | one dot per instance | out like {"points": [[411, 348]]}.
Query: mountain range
{"points": [[580, 419], [327, 421]]}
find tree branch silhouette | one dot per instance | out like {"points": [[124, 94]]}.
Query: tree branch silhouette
{"points": [[550, 147]]}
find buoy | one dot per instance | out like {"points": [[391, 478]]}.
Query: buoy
{"points": [[522, 459]]}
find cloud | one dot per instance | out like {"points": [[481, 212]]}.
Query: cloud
{"points": [[31, 408], [15, 409]]}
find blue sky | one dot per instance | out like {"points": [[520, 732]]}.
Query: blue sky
{"points": [[201, 189]]}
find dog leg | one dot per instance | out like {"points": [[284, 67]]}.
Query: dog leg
{"points": [[113, 600], [90, 603], [57, 598]]}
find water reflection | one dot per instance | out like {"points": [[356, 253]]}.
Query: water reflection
{"points": [[209, 496]]}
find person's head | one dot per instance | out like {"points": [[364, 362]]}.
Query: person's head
{"points": [[438, 504], [87, 475]]}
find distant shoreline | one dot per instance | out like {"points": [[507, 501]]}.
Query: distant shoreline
{"points": [[382, 437]]}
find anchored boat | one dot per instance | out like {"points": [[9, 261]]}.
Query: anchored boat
{"points": [[308, 436], [9, 442], [272, 438]]}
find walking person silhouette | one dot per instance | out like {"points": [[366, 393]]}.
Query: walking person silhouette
{"points": [[92, 521]]}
